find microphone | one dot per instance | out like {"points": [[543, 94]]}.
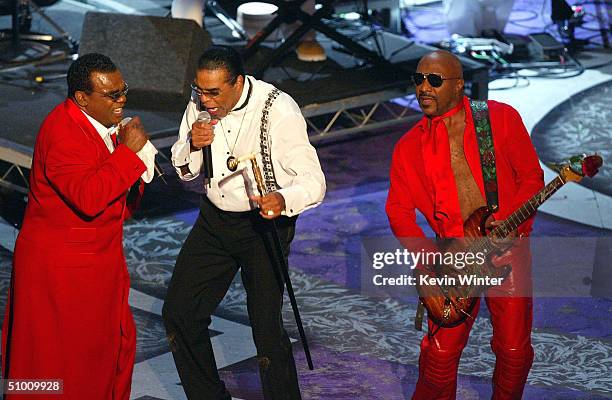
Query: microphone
{"points": [[156, 167], [204, 117]]}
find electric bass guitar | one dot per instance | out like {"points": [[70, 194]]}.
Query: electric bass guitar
{"points": [[451, 304]]}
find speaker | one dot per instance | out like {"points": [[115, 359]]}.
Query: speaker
{"points": [[156, 55]]}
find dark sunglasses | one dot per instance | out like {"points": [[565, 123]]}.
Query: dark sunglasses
{"points": [[434, 80], [116, 95]]}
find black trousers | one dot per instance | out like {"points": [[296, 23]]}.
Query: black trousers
{"points": [[218, 245]]}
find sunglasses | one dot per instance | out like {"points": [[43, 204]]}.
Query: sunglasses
{"points": [[434, 80], [116, 95]]}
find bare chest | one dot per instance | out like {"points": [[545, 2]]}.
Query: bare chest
{"points": [[470, 198]]}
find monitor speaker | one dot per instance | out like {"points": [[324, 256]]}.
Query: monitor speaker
{"points": [[157, 56]]}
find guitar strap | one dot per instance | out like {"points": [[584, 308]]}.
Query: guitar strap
{"points": [[484, 136]]}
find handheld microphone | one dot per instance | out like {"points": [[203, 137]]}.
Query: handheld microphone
{"points": [[156, 167], [204, 117]]}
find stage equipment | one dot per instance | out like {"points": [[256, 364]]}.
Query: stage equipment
{"points": [[560, 11], [544, 47], [461, 45], [254, 16], [157, 56], [387, 12], [204, 117], [290, 12], [237, 29], [214, 8], [567, 19], [26, 46], [477, 18]]}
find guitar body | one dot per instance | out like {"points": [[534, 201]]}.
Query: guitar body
{"points": [[449, 305], [449, 299]]}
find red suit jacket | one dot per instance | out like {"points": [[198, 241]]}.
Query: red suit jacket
{"points": [[70, 314]]}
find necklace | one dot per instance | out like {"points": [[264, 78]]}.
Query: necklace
{"points": [[231, 163]]}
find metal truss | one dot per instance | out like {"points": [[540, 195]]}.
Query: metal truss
{"points": [[14, 177], [327, 122], [15, 164], [349, 117]]}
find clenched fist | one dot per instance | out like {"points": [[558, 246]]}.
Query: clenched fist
{"points": [[270, 205], [202, 134], [133, 135]]}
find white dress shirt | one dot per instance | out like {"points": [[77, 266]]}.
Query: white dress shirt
{"points": [[146, 154], [294, 160]]}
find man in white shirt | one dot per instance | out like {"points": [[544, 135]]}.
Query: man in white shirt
{"points": [[231, 232]]}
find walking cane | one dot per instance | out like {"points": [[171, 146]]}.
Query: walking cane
{"points": [[281, 263]]}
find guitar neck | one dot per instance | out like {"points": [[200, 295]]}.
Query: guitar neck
{"points": [[526, 210], [578, 167], [518, 217]]}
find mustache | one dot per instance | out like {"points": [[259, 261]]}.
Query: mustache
{"points": [[426, 96]]}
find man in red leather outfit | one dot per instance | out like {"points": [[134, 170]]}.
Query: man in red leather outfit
{"points": [[436, 169]]}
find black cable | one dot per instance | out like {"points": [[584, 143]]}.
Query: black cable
{"points": [[498, 70], [517, 80]]}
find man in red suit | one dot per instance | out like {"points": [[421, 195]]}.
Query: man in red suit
{"points": [[436, 169], [68, 316]]}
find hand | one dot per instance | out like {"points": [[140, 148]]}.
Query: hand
{"points": [[270, 205], [491, 225], [202, 134], [503, 255], [133, 135]]}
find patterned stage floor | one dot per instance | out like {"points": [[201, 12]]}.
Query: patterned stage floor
{"points": [[364, 346]]}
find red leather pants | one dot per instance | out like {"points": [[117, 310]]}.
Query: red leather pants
{"points": [[511, 317]]}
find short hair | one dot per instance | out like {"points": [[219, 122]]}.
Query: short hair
{"points": [[79, 73], [222, 57]]}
